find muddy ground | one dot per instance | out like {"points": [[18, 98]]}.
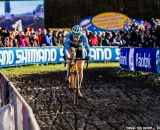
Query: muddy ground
{"points": [[111, 101]]}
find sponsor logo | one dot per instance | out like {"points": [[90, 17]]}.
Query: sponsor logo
{"points": [[86, 23], [111, 21], [123, 59], [158, 61], [143, 60], [6, 57], [35, 55]]}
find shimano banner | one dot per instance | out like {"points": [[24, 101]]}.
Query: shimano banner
{"points": [[100, 54], [145, 59], [24, 56], [42, 55]]}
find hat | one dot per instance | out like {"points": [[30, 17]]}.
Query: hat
{"points": [[95, 32]]}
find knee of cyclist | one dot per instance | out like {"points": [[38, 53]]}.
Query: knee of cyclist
{"points": [[81, 70]]}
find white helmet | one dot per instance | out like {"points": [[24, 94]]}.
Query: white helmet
{"points": [[77, 30]]}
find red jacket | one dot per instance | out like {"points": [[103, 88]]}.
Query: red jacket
{"points": [[94, 40]]}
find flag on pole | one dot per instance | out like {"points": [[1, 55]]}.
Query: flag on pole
{"points": [[18, 25]]}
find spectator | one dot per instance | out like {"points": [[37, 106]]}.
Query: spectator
{"points": [[134, 35], [148, 40], [12, 42], [55, 38], [114, 40], [22, 39], [99, 36], [39, 37], [4, 37], [157, 35], [60, 39], [88, 35], [105, 42], [93, 39], [47, 38]]}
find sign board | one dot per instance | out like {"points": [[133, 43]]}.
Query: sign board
{"points": [[111, 21], [42, 55]]}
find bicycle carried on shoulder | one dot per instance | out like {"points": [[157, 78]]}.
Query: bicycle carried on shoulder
{"points": [[74, 83]]}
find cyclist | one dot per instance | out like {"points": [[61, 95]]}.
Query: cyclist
{"points": [[74, 43]]}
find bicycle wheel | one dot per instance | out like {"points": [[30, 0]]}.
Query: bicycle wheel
{"points": [[74, 84], [76, 96], [72, 87], [71, 82]]}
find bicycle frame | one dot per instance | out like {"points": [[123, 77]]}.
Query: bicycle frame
{"points": [[74, 83]]}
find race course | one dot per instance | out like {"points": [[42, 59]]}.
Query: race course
{"points": [[111, 101]]}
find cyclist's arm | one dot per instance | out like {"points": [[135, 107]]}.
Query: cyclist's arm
{"points": [[66, 44], [86, 45]]}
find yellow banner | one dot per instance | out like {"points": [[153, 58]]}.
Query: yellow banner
{"points": [[111, 21], [57, 29]]}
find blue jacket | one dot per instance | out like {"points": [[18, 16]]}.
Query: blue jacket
{"points": [[47, 39], [83, 41]]}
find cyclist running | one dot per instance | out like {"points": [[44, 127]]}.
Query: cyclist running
{"points": [[74, 43]]}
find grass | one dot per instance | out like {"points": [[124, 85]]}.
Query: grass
{"points": [[33, 69]]}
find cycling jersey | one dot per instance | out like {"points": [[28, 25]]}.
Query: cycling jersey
{"points": [[70, 42]]}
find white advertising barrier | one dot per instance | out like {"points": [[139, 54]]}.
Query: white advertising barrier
{"points": [[23, 115], [7, 118]]}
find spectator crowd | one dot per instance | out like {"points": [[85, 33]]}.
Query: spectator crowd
{"points": [[134, 35]]}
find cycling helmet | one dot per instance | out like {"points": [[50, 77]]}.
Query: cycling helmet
{"points": [[77, 30]]}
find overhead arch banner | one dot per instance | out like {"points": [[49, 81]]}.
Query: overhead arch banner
{"points": [[111, 21]]}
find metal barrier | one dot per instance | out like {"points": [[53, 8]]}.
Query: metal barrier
{"points": [[23, 115]]}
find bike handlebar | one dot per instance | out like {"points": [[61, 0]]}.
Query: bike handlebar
{"points": [[76, 59]]}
